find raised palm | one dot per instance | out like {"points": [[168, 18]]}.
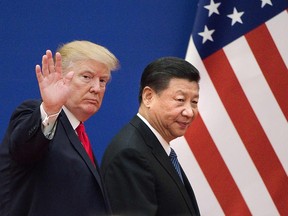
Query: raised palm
{"points": [[53, 85]]}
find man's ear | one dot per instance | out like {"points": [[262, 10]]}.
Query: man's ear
{"points": [[147, 96]]}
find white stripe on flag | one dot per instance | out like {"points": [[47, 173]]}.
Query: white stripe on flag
{"points": [[205, 197], [229, 143], [260, 96], [279, 31]]}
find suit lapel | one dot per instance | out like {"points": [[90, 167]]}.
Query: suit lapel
{"points": [[190, 192], [164, 160], [79, 148], [161, 156]]}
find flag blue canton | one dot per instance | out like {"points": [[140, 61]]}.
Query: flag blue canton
{"points": [[218, 23]]}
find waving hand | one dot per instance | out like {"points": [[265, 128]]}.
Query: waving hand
{"points": [[53, 85]]}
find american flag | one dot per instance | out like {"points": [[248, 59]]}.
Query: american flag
{"points": [[235, 154]]}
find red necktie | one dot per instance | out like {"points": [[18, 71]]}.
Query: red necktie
{"points": [[85, 141]]}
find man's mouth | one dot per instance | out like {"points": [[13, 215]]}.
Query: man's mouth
{"points": [[184, 124], [92, 101]]}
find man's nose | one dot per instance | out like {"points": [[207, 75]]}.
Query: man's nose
{"points": [[95, 85], [188, 111]]}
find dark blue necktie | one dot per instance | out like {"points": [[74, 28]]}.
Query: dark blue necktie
{"points": [[174, 160]]}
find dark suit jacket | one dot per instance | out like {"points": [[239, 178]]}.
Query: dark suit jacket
{"points": [[40, 177], [140, 178]]}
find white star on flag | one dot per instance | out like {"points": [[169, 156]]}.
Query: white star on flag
{"points": [[206, 34], [213, 7], [236, 16], [264, 2]]}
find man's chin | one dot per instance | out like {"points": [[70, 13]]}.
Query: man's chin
{"points": [[91, 109], [181, 132]]}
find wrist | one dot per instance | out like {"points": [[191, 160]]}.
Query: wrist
{"points": [[53, 110], [48, 118]]}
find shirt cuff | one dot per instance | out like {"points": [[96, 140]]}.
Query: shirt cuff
{"points": [[48, 123], [48, 120]]}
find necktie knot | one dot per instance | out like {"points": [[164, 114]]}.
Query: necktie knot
{"points": [[80, 129], [175, 162], [172, 154], [85, 140]]}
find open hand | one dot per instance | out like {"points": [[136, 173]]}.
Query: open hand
{"points": [[53, 85]]}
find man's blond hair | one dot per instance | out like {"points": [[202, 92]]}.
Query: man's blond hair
{"points": [[86, 50]]}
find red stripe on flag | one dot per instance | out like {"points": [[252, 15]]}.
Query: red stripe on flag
{"points": [[249, 129], [271, 64], [215, 170]]}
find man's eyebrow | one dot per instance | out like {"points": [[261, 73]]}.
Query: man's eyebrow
{"points": [[186, 92]]}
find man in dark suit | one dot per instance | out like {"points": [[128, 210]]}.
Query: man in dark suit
{"points": [[139, 176], [45, 170]]}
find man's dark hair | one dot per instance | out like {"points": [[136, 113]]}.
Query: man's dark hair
{"points": [[158, 73]]}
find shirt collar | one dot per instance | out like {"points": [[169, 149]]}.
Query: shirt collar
{"points": [[164, 144], [72, 119]]}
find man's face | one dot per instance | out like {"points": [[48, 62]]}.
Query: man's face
{"points": [[87, 88], [172, 110]]}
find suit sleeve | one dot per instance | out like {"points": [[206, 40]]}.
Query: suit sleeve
{"points": [[27, 142], [130, 184]]}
